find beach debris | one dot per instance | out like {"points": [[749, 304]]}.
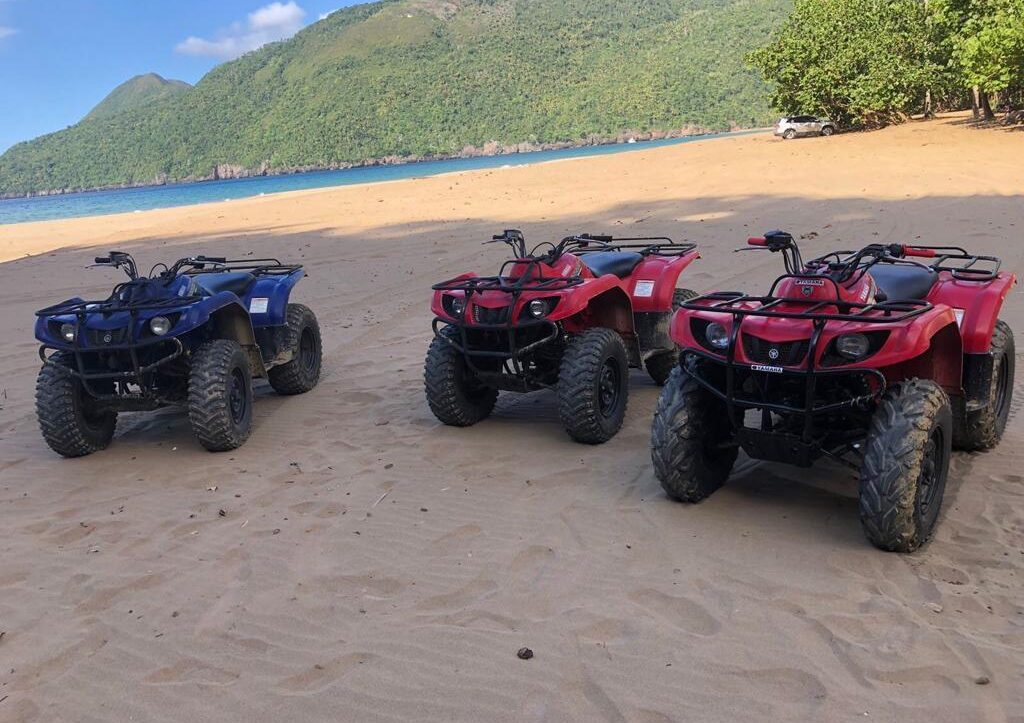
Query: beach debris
{"points": [[934, 607], [277, 531], [212, 488], [424, 509], [222, 512], [982, 680], [381, 498], [524, 653], [382, 422], [389, 465]]}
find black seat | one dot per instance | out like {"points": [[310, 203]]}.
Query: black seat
{"points": [[900, 282], [237, 283], [620, 263]]}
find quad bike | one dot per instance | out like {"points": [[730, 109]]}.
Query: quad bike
{"points": [[572, 316], [193, 335], [867, 355]]}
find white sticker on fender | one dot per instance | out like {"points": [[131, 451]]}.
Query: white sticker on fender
{"points": [[644, 288], [959, 314], [258, 305]]}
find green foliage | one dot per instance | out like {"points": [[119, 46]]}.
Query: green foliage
{"points": [[987, 42], [421, 77], [138, 92], [858, 61]]}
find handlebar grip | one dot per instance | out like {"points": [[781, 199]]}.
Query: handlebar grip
{"points": [[915, 251], [101, 260], [212, 259], [757, 241], [603, 238]]}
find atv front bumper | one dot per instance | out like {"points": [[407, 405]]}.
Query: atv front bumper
{"points": [[498, 344], [743, 386], [173, 349]]}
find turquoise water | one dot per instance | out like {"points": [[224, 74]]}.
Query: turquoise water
{"points": [[97, 203]]}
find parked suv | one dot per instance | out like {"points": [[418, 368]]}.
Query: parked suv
{"points": [[804, 125]]}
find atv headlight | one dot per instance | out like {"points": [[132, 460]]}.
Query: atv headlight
{"points": [[538, 308], [159, 325], [453, 305], [853, 346], [67, 332], [717, 335]]}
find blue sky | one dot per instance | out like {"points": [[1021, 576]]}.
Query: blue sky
{"points": [[58, 58]]}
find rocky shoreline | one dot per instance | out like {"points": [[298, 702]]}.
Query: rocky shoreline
{"points": [[227, 171]]}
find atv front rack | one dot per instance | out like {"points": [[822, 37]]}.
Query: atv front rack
{"points": [[740, 305], [111, 305], [510, 285]]}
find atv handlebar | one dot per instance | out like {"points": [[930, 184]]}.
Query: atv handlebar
{"points": [[757, 241], [915, 251]]}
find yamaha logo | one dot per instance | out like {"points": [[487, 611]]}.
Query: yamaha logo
{"points": [[107, 338], [766, 368], [773, 353], [806, 290]]}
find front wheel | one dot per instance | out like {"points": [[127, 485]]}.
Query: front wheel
{"points": [[982, 429], [455, 395], [660, 365], [906, 462], [692, 441], [70, 420], [593, 386], [220, 395], [302, 334], [789, 135]]}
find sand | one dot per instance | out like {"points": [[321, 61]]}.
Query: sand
{"points": [[373, 565]]}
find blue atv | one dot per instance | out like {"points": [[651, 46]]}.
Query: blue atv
{"points": [[193, 335]]}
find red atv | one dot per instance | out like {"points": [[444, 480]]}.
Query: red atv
{"points": [[865, 355], [571, 316]]}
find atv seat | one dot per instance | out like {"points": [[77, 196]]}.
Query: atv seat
{"points": [[237, 283], [900, 282], [620, 263]]}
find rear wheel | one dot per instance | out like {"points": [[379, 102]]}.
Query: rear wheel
{"points": [[789, 134], [593, 386], [827, 131], [220, 395], [906, 463], [692, 444], [303, 338], [984, 428], [660, 365], [455, 395], [69, 418]]}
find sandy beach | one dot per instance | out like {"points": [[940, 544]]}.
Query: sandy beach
{"points": [[358, 561]]}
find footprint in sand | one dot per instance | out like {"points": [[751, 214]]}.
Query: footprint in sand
{"points": [[462, 597], [678, 611], [322, 675], [191, 671]]}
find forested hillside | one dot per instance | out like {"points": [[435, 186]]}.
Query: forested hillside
{"points": [[408, 78]]}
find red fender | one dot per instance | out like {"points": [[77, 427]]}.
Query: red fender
{"points": [[976, 304], [653, 281]]}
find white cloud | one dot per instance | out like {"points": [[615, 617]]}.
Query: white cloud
{"points": [[6, 32], [328, 13], [275, 21]]}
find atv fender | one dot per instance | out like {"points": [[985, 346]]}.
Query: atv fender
{"points": [[610, 308], [941, 359], [980, 304], [268, 298], [653, 281], [229, 320]]}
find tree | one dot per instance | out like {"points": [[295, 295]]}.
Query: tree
{"points": [[862, 62], [987, 42]]}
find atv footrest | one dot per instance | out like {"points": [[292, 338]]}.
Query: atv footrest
{"points": [[777, 447]]}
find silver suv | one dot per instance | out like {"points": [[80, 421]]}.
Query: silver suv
{"points": [[804, 125]]}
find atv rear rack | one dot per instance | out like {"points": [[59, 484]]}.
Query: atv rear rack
{"points": [[662, 246], [257, 267]]}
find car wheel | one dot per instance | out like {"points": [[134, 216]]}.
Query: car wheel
{"points": [[789, 135], [827, 131]]}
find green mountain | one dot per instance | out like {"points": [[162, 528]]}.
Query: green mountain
{"points": [[139, 92], [415, 78]]}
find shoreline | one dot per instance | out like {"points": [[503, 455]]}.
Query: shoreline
{"points": [[233, 172]]}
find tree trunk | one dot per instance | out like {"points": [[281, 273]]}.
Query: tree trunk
{"points": [[987, 108]]}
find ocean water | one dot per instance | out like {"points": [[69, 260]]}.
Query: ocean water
{"points": [[97, 203]]}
